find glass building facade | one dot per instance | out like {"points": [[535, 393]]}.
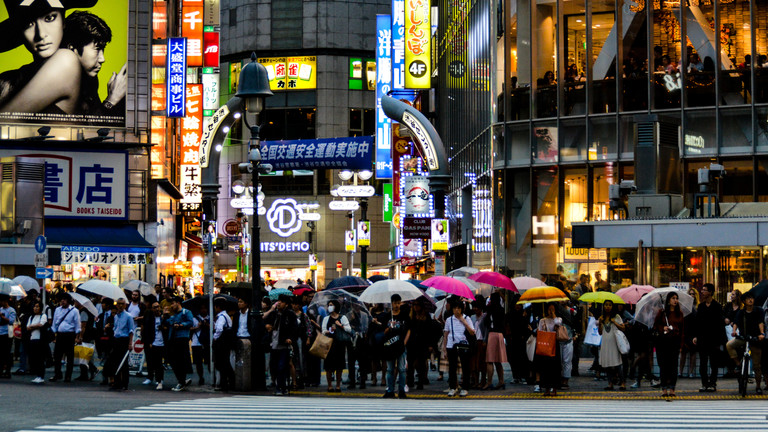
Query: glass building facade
{"points": [[538, 105]]}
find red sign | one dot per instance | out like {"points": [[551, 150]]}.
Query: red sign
{"points": [[211, 49], [138, 347], [231, 227], [159, 19], [338, 265]]}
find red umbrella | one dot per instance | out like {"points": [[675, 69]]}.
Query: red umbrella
{"points": [[300, 291], [495, 279], [450, 285]]}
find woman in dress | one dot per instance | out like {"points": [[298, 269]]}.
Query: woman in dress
{"points": [[610, 356], [333, 324], [496, 351], [670, 327]]}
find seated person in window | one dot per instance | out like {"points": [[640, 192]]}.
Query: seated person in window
{"points": [[695, 64]]}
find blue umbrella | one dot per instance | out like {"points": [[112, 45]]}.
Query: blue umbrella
{"points": [[277, 292], [349, 283], [417, 284]]}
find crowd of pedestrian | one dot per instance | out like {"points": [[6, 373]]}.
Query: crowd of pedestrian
{"points": [[396, 344]]}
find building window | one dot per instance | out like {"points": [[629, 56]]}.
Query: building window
{"points": [[362, 122], [233, 17], [288, 124]]}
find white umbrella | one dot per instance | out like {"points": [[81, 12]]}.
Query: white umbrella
{"points": [[86, 302], [285, 283], [27, 283], [382, 291], [523, 283], [11, 288], [144, 288], [103, 288], [462, 271], [649, 306]]}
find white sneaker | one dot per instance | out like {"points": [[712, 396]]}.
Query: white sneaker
{"points": [[451, 392], [536, 389], [159, 386], [463, 393], [38, 380], [178, 388], [147, 382], [407, 389]]}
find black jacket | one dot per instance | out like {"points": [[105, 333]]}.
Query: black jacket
{"points": [[285, 323], [148, 329], [251, 324]]}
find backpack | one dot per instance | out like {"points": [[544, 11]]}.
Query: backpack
{"points": [[228, 338]]}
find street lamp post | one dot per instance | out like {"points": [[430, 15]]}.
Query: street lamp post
{"points": [[254, 88]]}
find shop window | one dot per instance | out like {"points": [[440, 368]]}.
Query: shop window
{"points": [[622, 268], [603, 177], [698, 62], [286, 124], [761, 180], [361, 122], [760, 21], [736, 268], [735, 130], [603, 56], [575, 198], [574, 77], [762, 129], [736, 186], [518, 139], [667, 57], [736, 48], [635, 65], [700, 133], [602, 139], [518, 60], [573, 140], [545, 58], [545, 138]]}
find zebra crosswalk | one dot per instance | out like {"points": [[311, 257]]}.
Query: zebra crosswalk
{"points": [[262, 413]]}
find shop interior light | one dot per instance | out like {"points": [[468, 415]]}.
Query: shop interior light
{"points": [[365, 175], [345, 175]]}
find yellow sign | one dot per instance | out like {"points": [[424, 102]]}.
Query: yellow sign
{"points": [[418, 69], [291, 73]]}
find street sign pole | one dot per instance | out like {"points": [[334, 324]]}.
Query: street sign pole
{"points": [[41, 247]]}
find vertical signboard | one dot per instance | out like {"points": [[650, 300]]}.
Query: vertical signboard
{"points": [[417, 44], [211, 49], [176, 84], [416, 195], [157, 132], [387, 204], [383, 86], [191, 131], [192, 29], [398, 44], [349, 241], [364, 233], [211, 13], [159, 32], [440, 234], [210, 91]]}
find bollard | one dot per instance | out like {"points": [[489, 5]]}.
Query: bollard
{"points": [[243, 365]]}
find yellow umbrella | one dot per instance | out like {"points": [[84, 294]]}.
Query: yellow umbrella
{"points": [[600, 297], [543, 294]]}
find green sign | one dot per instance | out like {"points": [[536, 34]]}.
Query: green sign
{"points": [[387, 202]]}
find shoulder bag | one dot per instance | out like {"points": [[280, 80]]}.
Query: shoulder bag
{"points": [[622, 342], [562, 334]]}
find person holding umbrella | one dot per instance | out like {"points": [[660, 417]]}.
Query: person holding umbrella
{"points": [[669, 326], [334, 326]]}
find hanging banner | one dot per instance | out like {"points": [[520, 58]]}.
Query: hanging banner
{"points": [[191, 131], [177, 78], [36, 90], [383, 86], [364, 233], [417, 44], [349, 241], [192, 29], [350, 153], [440, 235]]}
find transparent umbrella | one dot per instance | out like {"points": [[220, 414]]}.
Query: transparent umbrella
{"points": [[351, 306], [649, 306]]}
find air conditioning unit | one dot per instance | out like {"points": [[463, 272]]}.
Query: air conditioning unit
{"points": [[22, 182]]}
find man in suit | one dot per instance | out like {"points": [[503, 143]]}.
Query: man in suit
{"points": [[154, 333], [244, 323]]}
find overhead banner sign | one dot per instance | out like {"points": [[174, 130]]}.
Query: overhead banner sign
{"points": [[383, 86], [291, 73], [41, 92], [350, 153], [440, 235], [82, 184], [176, 85], [417, 44]]}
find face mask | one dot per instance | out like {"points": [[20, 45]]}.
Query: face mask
{"points": [[331, 309]]}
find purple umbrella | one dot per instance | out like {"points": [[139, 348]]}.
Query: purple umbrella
{"points": [[495, 279]]}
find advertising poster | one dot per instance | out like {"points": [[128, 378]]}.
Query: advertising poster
{"points": [[364, 233], [349, 241], [55, 77], [291, 73], [416, 195], [440, 234]]}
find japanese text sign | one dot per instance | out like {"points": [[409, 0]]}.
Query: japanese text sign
{"points": [[192, 29], [177, 77], [291, 73], [398, 44], [383, 86], [417, 44], [210, 91], [191, 131], [348, 153], [159, 19], [82, 184]]}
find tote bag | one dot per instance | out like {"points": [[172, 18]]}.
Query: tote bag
{"points": [[622, 342], [321, 346], [545, 343]]}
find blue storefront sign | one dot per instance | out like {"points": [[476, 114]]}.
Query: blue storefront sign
{"points": [[383, 86], [177, 77], [347, 153]]}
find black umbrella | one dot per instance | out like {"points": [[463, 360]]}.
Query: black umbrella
{"points": [[194, 303], [349, 283], [376, 278], [242, 290], [760, 291]]}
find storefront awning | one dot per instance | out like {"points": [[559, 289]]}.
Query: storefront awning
{"points": [[120, 239]]}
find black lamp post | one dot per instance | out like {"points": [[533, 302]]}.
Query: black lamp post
{"points": [[253, 88]]}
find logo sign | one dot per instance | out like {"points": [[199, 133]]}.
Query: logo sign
{"points": [[349, 241], [440, 234], [43, 273], [211, 49], [416, 194], [349, 153], [544, 229], [283, 217], [40, 244], [457, 69], [356, 191], [344, 205], [138, 347], [417, 228], [383, 86], [417, 44], [364, 233], [387, 202], [231, 227], [176, 86]]}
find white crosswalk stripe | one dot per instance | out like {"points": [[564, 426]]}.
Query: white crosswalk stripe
{"points": [[260, 413]]}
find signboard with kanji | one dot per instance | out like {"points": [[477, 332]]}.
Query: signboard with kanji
{"points": [[191, 132], [82, 184], [383, 86], [349, 153], [177, 77], [192, 29], [417, 44], [291, 73]]}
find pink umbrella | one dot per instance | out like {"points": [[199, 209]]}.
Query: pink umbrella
{"points": [[633, 293], [494, 279], [523, 283], [450, 285]]}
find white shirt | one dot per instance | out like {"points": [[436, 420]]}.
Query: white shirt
{"points": [[66, 320], [455, 329], [196, 333], [158, 333], [222, 320], [242, 327], [133, 309], [37, 319]]}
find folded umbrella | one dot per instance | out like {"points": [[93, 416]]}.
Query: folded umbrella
{"points": [[450, 285], [600, 297], [85, 302], [102, 288], [495, 279], [649, 306], [633, 293], [543, 294], [382, 291]]}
